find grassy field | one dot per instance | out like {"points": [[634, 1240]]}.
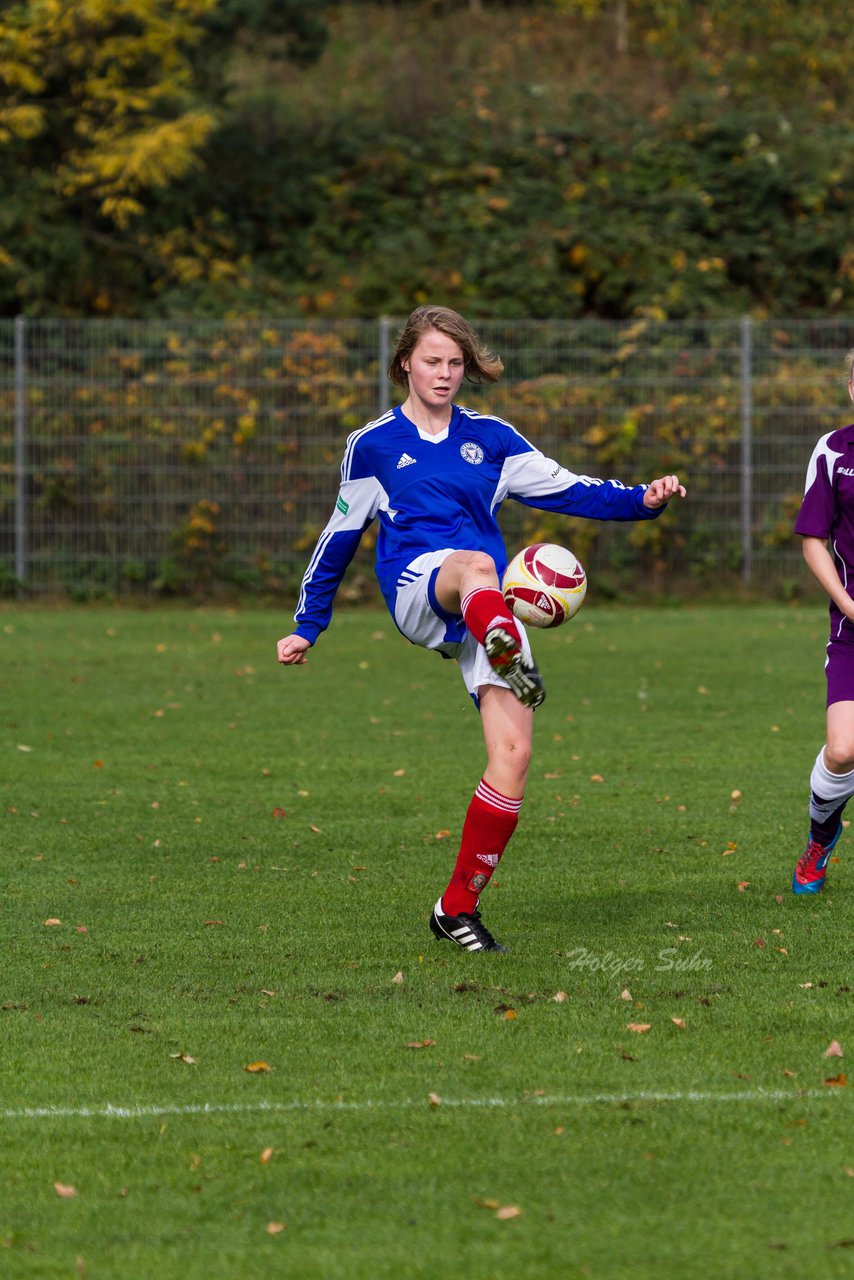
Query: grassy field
{"points": [[211, 864]]}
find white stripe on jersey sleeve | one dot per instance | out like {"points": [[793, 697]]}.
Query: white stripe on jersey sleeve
{"points": [[830, 456], [354, 438], [533, 475], [357, 505]]}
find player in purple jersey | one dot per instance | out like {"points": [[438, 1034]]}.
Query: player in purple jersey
{"points": [[826, 523], [434, 475]]}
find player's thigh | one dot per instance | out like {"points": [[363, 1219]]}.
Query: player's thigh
{"points": [[460, 571]]}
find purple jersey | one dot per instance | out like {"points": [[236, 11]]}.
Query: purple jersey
{"points": [[827, 510]]}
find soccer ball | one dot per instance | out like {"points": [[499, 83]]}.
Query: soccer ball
{"points": [[544, 585]]}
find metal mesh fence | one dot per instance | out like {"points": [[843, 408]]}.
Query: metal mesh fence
{"points": [[186, 456]]}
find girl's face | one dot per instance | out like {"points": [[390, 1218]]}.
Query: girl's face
{"points": [[435, 369]]}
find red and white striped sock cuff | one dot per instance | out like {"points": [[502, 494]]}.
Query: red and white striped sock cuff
{"points": [[505, 804], [466, 600]]}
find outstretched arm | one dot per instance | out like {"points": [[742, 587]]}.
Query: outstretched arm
{"points": [[660, 491]]}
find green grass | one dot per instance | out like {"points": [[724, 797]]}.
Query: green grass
{"points": [[244, 857]]}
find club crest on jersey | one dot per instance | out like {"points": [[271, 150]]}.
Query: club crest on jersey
{"points": [[472, 453]]}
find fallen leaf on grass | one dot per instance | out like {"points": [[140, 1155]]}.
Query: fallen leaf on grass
{"points": [[678, 1022], [559, 997], [183, 1057], [273, 1228], [759, 942], [833, 1050], [255, 1068], [280, 813], [840, 1080], [805, 986], [398, 977], [63, 1191], [50, 923], [266, 1155], [743, 885], [638, 1027], [626, 994], [508, 1211], [419, 1044], [212, 923], [434, 1099]]}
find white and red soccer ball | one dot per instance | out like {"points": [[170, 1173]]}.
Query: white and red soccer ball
{"points": [[544, 585]]}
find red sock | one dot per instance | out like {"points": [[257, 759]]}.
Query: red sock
{"points": [[484, 606], [490, 822]]}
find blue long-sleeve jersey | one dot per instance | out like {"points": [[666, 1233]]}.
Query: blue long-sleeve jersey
{"points": [[436, 492]]}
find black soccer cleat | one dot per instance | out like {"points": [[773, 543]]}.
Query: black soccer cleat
{"points": [[508, 661], [467, 930]]}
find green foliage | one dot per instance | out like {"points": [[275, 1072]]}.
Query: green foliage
{"points": [[107, 112], [200, 458], [352, 159]]}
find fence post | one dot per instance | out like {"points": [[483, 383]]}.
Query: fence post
{"points": [[746, 364], [20, 450], [384, 356]]}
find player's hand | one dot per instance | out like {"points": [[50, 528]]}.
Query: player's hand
{"points": [[292, 650], [661, 491]]}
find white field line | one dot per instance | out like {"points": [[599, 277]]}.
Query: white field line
{"points": [[112, 1111]]}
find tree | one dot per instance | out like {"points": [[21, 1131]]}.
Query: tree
{"points": [[107, 108]]}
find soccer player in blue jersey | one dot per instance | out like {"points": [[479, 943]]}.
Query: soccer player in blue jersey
{"points": [[826, 524], [434, 475]]}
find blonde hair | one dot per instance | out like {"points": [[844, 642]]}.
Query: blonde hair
{"points": [[481, 365], [849, 362]]}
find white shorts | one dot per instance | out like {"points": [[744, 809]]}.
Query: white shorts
{"points": [[423, 621]]}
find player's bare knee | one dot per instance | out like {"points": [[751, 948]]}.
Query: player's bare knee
{"points": [[480, 564], [513, 756], [839, 754]]}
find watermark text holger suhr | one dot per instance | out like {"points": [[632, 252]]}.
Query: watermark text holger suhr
{"points": [[667, 960]]}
